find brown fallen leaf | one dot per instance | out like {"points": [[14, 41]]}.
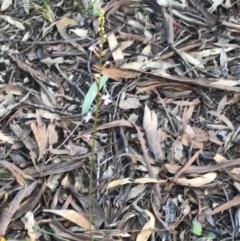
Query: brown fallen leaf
{"points": [[115, 73], [7, 213], [40, 133], [226, 206], [73, 216], [112, 124], [231, 171], [62, 26], [150, 124], [151, 172], [16, 172]]}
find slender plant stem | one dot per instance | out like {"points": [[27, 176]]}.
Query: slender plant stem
{"points": [[101, 33]]}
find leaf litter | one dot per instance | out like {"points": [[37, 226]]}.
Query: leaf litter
{"points": [[167, 143]]}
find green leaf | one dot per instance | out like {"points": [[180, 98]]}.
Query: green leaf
{"points": [[211, 235], [196, 228], [92, 93]]}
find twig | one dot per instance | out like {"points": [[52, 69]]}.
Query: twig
{"points": [[61, 41]]}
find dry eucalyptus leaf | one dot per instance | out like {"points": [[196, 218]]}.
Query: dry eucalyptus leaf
{"points": [[52, 134], [150, 124], [13, 22], [78, 218], [198, 181], [125, 181], [80, 32], [5, 4], [177, 149], [147, 228], [6, 139], [113, 43], [128, 102], [40, 133], [29, 225], [26, 6]]}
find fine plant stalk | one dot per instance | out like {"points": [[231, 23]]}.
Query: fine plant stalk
{"points": [[101, 19]]}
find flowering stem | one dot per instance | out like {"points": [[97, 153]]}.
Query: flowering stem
{"points": [[102, 39]]}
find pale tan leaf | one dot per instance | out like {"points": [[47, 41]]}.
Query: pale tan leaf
{"points": [[187, 140], [223, 118], [147, 228], [80, 32], [126, 44], [73, 216], [237, 186], [5, 4], [134, 65], [195, 62], [6, 139], [113, 43], [26, 36], [135, 191], [214, 139], [222, 104], [125, 181], [128, 102], [49, 61], [52, 134], [225, 82], [13, 22], [29, 225], [198, 181], [135, 24], [62, 26], [26, 6], [147, 52], [150, 124], [231, 171], [177, 149]]}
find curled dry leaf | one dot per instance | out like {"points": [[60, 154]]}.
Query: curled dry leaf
{"points": [[147, 228], [71, 215], [198, 181]]}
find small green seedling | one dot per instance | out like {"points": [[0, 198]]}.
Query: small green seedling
{"points": [[196, 228]]}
